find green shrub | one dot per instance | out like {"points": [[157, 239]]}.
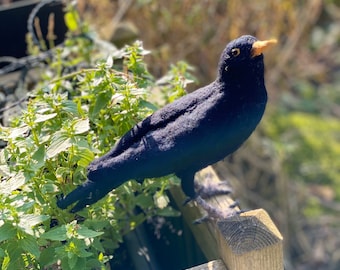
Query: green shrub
{"points": [[83, 104]]}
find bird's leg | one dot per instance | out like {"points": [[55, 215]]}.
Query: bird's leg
{"points": [[188, 186], [209, 189], [212, 189], [203, 192], [213, 212]]}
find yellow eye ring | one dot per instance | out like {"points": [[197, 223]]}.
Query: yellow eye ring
{"points": [[235, 52]]}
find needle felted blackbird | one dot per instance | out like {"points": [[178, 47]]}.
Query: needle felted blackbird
{"points": [[189, 134]]}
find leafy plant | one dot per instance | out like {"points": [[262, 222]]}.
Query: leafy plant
{"points": [[83, 104]]}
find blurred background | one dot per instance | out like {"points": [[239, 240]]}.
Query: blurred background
{"points": [[291, 164]]}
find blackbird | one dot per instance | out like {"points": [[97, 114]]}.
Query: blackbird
{"points": [[189, 134]]}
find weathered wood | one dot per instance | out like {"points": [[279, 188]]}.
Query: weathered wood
{"points": [[250, 241], [205, 233], [246, 241], [212, 265]]}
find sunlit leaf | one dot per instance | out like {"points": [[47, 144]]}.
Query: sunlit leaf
{"points": [[81, 126], [71, 20], [44, 117], [19, 132], [30, 220], [13, 183], [60, 142]]}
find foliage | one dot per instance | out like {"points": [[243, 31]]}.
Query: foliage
{"points": [[82, 105], [308, 146]]}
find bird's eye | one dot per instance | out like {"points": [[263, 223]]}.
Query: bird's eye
{"points": [[235, 52]]}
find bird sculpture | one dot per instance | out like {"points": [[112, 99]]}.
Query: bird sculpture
{"points": [[189, 134]]}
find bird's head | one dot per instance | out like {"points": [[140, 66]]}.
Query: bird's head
{"points": [[242, 56]]}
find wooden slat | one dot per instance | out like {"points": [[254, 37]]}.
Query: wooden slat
{"points": [[246, 241]]}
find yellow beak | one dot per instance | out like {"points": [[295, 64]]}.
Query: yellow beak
{"points": [[261, 45]]}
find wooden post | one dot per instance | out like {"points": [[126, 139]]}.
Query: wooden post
{"points": [[250, 241], [246, 241]]}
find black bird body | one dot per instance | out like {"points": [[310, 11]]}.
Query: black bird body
{"points": [[189, 134]]}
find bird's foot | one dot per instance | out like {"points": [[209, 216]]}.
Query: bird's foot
{"points": [[213, 189], [210, 190], [213, 212]]}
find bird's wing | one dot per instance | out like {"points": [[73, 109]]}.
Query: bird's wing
{"points": [[91, 191], [157, 120]]}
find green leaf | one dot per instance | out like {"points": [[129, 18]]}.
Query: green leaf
{"points": [[168, 212], [60, 142], [47, 257], [30, 220], [72, 261], [84, 232], [56, 234], [70, 106], [101, 102], [18, 132], [85, 156], [144, 201], [147, 104], [44, 117], [39, 157], [81, 126], [15, 182], [29, 244], [49, 188], [7, 231], [71, 20]]}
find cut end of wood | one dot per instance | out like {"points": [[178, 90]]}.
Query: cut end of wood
{"points": [[263, 216], [253, 230]]}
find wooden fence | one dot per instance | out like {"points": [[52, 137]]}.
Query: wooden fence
{"points": [[242, 242]]}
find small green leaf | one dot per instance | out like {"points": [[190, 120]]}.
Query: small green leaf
{"points": [[71, 20], [44, 117], [72, 261], [81, 126], [168, 212], [39, 157], [144, 201], [101, 102], [60, 142], [29, 244], [84, 232], [147, 104], [56, 234], [15, 182], [19, 132], [70, 106], [49, 188], [47, 257], [30, 220], [85, 155], [7, 231]]}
